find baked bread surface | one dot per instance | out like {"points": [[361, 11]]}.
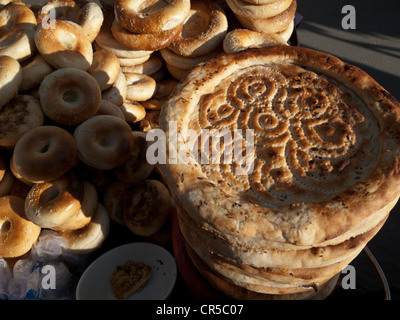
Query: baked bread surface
{"points": [[325, 162]]}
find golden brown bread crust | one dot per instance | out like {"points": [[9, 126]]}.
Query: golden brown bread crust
{"points": [[103, 141], [43, 153], [297, 269], [238, 292], [17, 233], [90, 237], [58, 50], [50, 204], [11, 78], [203, 30], [241, 39], [69, 96], [258, 11], [151, 16], [144, 41], [271, 25], [262, 256], [343, 116], [16, 15]]}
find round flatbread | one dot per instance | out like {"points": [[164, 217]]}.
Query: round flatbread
{"points": [[281, 150]]}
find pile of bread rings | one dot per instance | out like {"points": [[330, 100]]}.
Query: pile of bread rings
{"points": [[267, 16], [81, 83]]}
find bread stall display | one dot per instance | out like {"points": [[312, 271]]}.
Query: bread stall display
{"points": [[312, 142]]}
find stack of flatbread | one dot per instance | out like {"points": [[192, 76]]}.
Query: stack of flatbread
{"points": [[303, 173]]}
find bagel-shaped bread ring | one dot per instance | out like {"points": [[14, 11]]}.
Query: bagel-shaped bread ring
{"points": [[103, 141], [84, 215], [203, 30], [133, 111], [18, 43], [140, 87], [105, 68], [90, 237], [18, 116], [117, 92], [186, 63], [10, 78], [90, 18], [17, 234], [287, 33], [258, 11], [144, 41], [151, 16], [136, 168], [51, 204], [106, 40], [33, 72], [148, 67], [109, 108], [43, 154], [58, 10], [64, 46], [16, 14], [273, 24], [148, 208], [129, 62], [69, 96], [241, 39]]}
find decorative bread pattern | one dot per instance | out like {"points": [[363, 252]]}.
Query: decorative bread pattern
{"points": [[303, 173], [312, 137], [325, 145]]}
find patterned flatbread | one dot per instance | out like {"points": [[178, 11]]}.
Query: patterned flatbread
{"points": [[306, 155]]}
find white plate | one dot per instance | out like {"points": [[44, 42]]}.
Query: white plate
{"points": [[95, 281]]}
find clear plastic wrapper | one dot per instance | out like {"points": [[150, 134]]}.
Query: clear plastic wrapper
{"points": [[47, 273]]}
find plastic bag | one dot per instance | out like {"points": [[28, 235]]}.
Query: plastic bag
{"points": [[45, 274], [5, 276]]}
